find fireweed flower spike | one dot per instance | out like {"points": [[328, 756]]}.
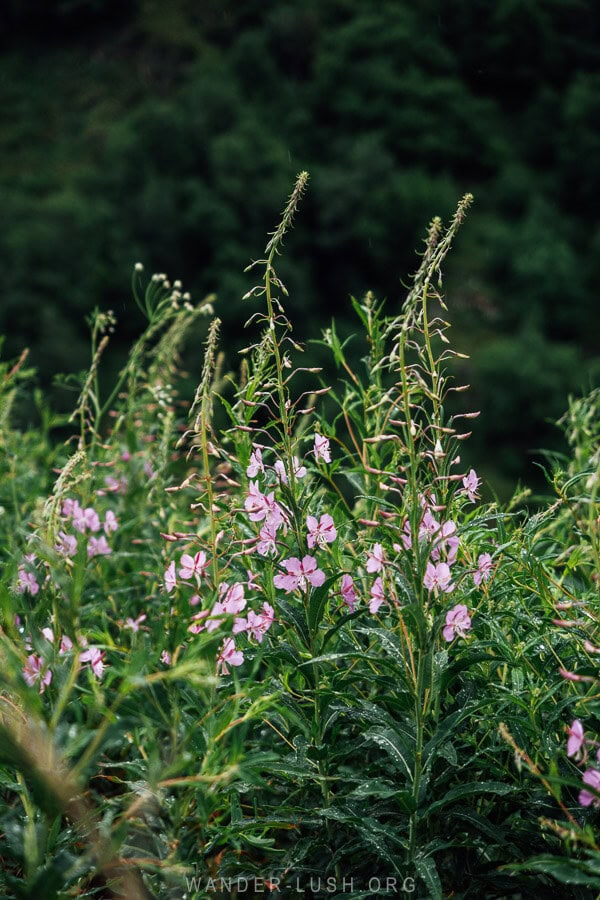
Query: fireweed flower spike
{"points": [[321, 448], [320, 532], [299, 575], [458, 622]]}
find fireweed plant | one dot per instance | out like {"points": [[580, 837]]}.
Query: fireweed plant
{"points": [[284, 647]]}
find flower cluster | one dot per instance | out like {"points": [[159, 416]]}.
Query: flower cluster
{"points": [[578, 749], [37, 668]]}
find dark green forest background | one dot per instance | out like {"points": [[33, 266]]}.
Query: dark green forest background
{"points": [[171, 133]]}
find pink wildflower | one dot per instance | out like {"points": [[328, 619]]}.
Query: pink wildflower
{"points": [[576, 740], [458, 622], [66, 645], [170, 578], [299, 575], [375, 559], [165, 657], [259, 623], [110, 522], [266, 545], [470, 484], [34, 671], [348, 592], [26, 582], [439, 577], [229, 656], [98, 547], [591, 777], [261, 506], [213, 622], [429, 526], [95, 657], [48, 634], [134, 624], [377, 596], [70, 507], [86, 518], [321, 532], [256, 463], [195, 565], [446, 543], [406, 536], [232, 598], [321, 448], [198, 624], [299, 470], [66, 545], [484, 568], [116, 485]]}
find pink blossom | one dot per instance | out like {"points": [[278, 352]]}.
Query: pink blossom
{"points": [[26, 582], [232, 598], [299, 574], [48, 634], [446, 543], [229, 656], [213, 622], [591, 777], [165, 657], [116, 485], [484, 568], [261, 506], [66, 545], [299, 470], [256, 463], [34, 671], [195, 565], [70, 508], [429, 526], [321, 448], [406, 536], [134, 624], [95, 657], [198, 623], [320, 532], [66, 645], [458, 622], [170, 578], [110, 522], [98, 547], [266, 545], [259, 623], [375, 559], [439, 577], [348, 592], [470, 484], [576, 740], [86, 518], [377, 596]]}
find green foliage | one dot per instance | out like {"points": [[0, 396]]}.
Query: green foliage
{"points": [[274, 635]]}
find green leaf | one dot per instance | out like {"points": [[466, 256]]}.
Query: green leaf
{"points": [[460, 791], [395, 747], [427, 871]]}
